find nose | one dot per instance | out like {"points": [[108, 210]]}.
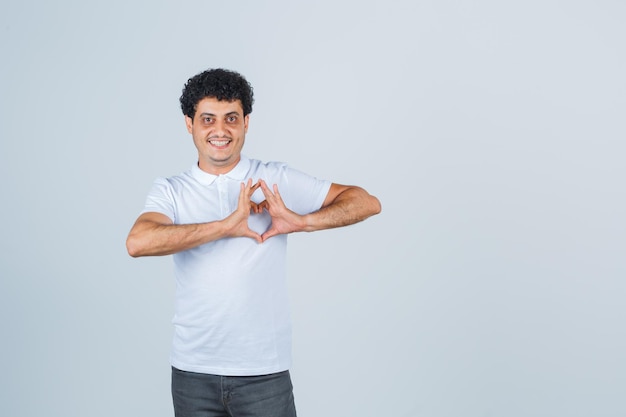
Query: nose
{"points": [[219, 128]]}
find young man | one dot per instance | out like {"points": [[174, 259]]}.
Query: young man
{"points": [[226, 221]]}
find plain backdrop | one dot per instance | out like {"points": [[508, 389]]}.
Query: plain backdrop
{"points": [[493, 132]]}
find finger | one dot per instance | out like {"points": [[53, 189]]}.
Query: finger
{"points": [[276, 193], [254, 235], [263, 185], [242, 192], [270, 233], [266, 191], [251, 188], [244, 202]]}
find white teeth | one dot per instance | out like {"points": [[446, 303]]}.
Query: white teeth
{"points": [[219, 142]]}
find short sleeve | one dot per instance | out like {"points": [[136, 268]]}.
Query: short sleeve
{"points": [[306, 193], [160, 199]]}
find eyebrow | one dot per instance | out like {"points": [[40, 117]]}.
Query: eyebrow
{"points": [[215, 115]]}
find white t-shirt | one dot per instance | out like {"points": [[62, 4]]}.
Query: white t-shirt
{"points": [[231, 309]]}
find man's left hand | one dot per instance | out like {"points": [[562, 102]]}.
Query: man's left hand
{"points": [[283, 220]]}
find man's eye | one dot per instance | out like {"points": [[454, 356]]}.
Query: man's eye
{"points": [[207, 120], [232, 119]]}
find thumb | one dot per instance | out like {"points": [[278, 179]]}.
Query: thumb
{"points": [[254, 235], [270, 233]]}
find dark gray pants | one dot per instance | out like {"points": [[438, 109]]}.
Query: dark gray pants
{"points": [[204, 395]]}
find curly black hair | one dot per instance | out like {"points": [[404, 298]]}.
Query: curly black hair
{"points": [[219, 83]]}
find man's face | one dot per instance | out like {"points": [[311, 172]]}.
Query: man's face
{"points": [[219, 130]]}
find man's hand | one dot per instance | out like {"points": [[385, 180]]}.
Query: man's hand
{"points": [[344, 205], [237, 223], [283, 220]]}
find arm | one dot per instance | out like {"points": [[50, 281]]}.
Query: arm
{"points": [[155, 234], [344, 205]]}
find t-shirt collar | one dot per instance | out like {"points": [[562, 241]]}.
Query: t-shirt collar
{"points": [[238, 173]]}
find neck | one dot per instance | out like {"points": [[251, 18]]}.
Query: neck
{"points": [[218, 167]]}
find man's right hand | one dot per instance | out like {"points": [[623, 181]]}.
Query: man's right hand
{"points": [[237, 223], [154, 234]]}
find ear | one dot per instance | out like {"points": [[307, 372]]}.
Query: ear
{"points": [[189, 123], [245, 122]]}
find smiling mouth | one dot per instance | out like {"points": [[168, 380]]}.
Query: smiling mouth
{"points": [[219, 143]]}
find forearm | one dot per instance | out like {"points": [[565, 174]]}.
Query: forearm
{"points": [[351, 206], [149, 238], [155, 234]]}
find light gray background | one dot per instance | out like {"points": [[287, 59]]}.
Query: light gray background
{"points": [[493, 133]]}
